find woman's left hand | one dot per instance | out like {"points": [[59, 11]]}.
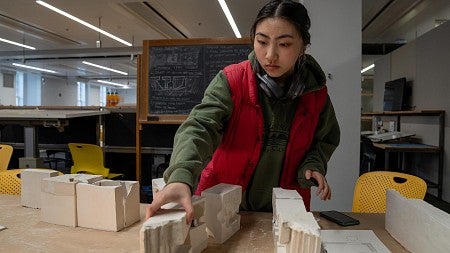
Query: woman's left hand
{"points": [[323, 189]]}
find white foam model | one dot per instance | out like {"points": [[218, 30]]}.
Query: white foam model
{"points": [[30, 192], [294, 229], [417, 225], [167, 231], [221, 212], [58, 198], [157, 185], [108, 204], [164, 232]]}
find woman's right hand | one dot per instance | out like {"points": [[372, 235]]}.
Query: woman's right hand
{"points": [[173, 192]]}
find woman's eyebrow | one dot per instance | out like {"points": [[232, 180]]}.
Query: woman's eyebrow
{"points": [[277, 38]]}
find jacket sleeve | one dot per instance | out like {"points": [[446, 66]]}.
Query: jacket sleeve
{"points": [[326, 139], [200, 134]]}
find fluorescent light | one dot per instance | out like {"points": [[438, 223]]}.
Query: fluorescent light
{"points": [[35, 68], [230, 18], [367, 68], [83, 22], [103, 67], [17, 44], [112, 83]]}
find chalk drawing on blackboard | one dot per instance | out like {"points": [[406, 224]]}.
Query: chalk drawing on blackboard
{"points": [[179, 74]]}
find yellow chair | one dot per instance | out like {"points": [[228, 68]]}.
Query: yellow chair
{"points": [[88, 158], [9, 179], [10, 182], [5, 155], [370, 189]]}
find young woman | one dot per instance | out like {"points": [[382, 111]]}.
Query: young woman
{"points": [[263, 123]]}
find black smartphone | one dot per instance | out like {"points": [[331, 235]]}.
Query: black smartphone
{"points": [[339, 218]]}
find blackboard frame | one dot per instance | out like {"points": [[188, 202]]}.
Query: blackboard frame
{"points": [[147, 117]]}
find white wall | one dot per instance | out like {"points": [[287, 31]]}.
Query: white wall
{"points": [[58, 92], [8, 95], [336, 44], [425, 62], [127, 96], [93, 98]]}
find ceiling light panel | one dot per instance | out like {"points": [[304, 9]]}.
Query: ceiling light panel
{"points": [[105, 68], [77, 19], [34, 68]]}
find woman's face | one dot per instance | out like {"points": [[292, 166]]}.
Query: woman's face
{"points": [[277, 46]]}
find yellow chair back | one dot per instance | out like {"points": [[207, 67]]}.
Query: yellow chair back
{"points": [[87, 158], [10, 182], [5, 155], [370, 189]]}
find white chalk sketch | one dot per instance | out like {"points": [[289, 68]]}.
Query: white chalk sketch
{"points": [[352, 241]]}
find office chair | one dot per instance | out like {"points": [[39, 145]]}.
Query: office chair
{"points": [[10, 182], [9, 179], [5, 155], [88, 158], [367, 157], [370, 189]]}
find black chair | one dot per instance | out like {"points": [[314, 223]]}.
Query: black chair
{"points": [[367, 156]]}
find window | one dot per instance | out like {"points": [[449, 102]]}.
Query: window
{"points": [[19, 88], [81, 94], [103, 91]]}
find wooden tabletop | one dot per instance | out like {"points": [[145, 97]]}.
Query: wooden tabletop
{"points": [[25, 232]]}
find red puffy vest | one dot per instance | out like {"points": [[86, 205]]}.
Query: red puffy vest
{"points": [[237, 156]]}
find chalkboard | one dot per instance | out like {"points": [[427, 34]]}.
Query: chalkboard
{"points": [[179, 74]]}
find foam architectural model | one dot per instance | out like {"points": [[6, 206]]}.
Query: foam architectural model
{"points": [[294, 229], [58, 198], [157, 185], [167, 231], [89, 201], [221, 212], [417, 225], [30, 193], [108, 204]]}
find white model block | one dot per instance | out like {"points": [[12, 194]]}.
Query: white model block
{"points": [[30, 192], [58, 198], [158, 228], [198, 238], [417, 225], [165, 232], [294, 229], [157, 185], [107, 204], [221, 212], [198, 202]]}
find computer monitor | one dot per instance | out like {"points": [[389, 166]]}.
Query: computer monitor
{"points": [[394, 94]]}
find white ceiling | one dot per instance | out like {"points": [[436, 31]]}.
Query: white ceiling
{"points": [[62, 44]]}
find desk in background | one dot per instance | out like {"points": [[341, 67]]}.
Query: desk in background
{"points": [[428, 125], [404, 148], [31, 118], [26, 233]]}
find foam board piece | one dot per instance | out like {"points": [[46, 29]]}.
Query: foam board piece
{"points": [[157, 185], [58, 198], [198, 202], [30, 193], [165, 232], [417, 225], [198, 238], [221, 212], [107, 204], [294, 229]]}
